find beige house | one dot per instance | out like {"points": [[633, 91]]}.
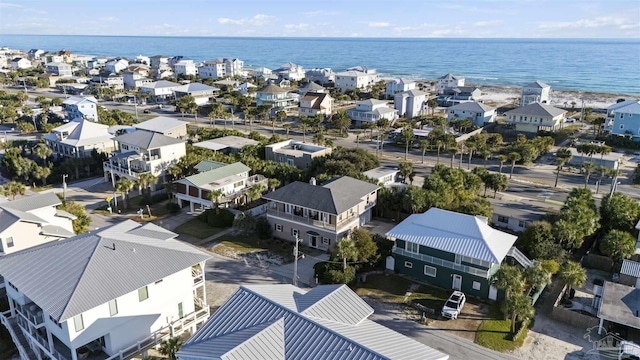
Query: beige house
{"points": [[313, 103], [79, 138], [320, 215], [295, 153], [536, 117]]}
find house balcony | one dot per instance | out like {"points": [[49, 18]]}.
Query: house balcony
{"points": [[298, 217], [130, 171], [197, 274], [32, 313], [440, 262]]}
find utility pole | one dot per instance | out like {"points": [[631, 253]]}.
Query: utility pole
{"points": [[64, 187], [295, 262]]}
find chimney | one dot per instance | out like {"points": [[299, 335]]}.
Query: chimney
{"points": [[312, 181], [114, 246]]}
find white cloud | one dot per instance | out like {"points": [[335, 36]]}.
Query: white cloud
{"points": [[109, 19], [594, 23], [8, 5], [301, 26], [487, 23], [258, 20], [379, 24]]}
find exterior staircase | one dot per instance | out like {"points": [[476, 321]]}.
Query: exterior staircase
{"points": [[21, 341]]}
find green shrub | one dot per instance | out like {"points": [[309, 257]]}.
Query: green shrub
{"points": [[263, 228], [173, 208], [223, 219], [332, 273]]}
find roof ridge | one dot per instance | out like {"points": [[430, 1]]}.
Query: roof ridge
{"points": [[268, 325], [322, 299]]}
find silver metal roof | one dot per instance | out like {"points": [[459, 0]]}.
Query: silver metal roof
{"points": [[68, 277], [537, 109], [456, 233], [631, 268], [279, 322], [160, 124], [147, 139], [33, 202]]}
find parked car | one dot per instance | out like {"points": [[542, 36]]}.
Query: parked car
{"points": [[453, 306], [569, 120]]}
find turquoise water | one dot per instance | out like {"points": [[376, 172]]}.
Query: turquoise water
{"points": [[603, 65]]}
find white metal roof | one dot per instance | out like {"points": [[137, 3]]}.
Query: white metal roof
{"points": [[631, 268], [456, 233], [160, 124]]}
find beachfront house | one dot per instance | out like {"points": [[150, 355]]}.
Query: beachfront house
{"points": [[457, 95], [536, 117], [185, 67], [159, 63], [453, 251], [295, 153], [356, 79], [313, 103], [320, 215], [233, 66], [275, 96], [320, 75], [116, 65], [290, 71], [311, 87], [286, 322], [448, 81], [78, 138], [32, 220], [232, 180], [479, 113], [370, 111], [201, 93], [81, 107], [103, 294], [623, 119], [141, 152], [536, 92], [398, 85], [60, 69], [410, 103], [166, 126], [212, 70]]}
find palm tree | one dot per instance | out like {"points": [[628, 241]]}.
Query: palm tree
{"points": [[41, 173], [273, 183], [287, 127], [508, 278], [535, 277], [572, 274], [215, 198], [255, 191], [407, 136], [498, 182], [170, 347], [123, 186], [174, 170], [514, 157], [502, 159], [43, 152], [587, 168], [601, 171], [304, 127], [604, 150], [563, 156], [318, 138], [432, 104], [145, 180], [12, 189], [519, 307], [424, 146], [347, 250]]}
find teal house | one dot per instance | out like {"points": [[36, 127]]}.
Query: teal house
{"points": [[453, 251]]}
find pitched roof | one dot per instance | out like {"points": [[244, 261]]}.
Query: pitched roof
{"points": [[449, 76], [372, 102], [537, 109], [191, 87], [68, 277], [312, 87], [319, 97], [412, 92], [537, 84], [630, 268], [160, 84], [216, 174], [286, 322], [147, 139], [627, 106], [272, 89], [472, 106], [334, 197], [20, 209], [160, 124], [231, 141], [75, 100], [81, 132], [456, 233]]}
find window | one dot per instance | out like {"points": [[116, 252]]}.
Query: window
{"points": [[78, 323], [476, 285], [621, 126], [503, 219], [55, 322], [408, 264], [522, 224], [294, 232], [430, 271], [180, 311], [458, 259], [113, 307], [287, 208], [238, 184], [143, 293], [278, 227], [411, 247], [10, 241], [326, 241]]}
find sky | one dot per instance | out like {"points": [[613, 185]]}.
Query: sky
{"points": [[328, 18]]}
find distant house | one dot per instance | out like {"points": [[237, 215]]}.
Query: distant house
{"points": [[116, 65], [320, 75], [159, 63], [244, 89], [228, 144], [384, 175], [448, 81], [453, 251], [233, 66], [32, 220], [283, 83], [295, 153], [410, 103], [110, 293], [160, 89], [290, 71], [142, 152], [320, 215], [60, 69], [35, 54], [480, 114], [232, 179], [457, 95], [515, 216], [286, 322], [536, 117], [370, 111], [20, 63], [313, 103], [536, 92], [166, 126], [134, 77], [398, 85], [311, 87], [212, 70], [185, 67], [141, 59], [78, 138], [354, 79], [77, 107], [623, 119], [275, 96], [201, 93]]}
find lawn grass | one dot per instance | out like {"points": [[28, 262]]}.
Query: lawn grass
{"points": [[393, 288], [196, 228], [243, 244], [430, 297], [495, 332]]}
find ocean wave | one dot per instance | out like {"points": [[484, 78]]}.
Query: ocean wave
{"points": [[483, 78]]}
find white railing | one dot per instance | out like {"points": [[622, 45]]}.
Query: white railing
{"points": [[521, 258], [444, 263], [21, 350]]}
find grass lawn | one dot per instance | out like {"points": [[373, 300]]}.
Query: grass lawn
{"points": [[242, 244], [495, 332], [393, 288], [196, 228]]}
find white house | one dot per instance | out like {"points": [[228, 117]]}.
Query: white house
{"points": [[480, 114], [399, 85], [142, 152], [35, 54], [135, 77], [313, 103], [116, 65], [244, 89], [141, 59], [32, 220], [212, 70], [20, 63], [78, 138], [290, 71], [160, 89], [536, 92], [410, 103], [185, 67], [233, 66], [103, 293], [201, 93], [371, 111], [78, 107], [60, 69], [165, 125], [535, 117], [448, 81], [353, 79], [384, 175], [320, 75]]}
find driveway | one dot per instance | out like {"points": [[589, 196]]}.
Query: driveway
{"points": [[467, 323]]}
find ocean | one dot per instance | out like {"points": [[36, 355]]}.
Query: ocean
{"points": [[596, 65]]}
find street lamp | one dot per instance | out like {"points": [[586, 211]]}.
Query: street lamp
{"points": [[64, 187], [135, 103]]}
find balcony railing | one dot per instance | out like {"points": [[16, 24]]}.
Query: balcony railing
{"points": [[444, 263], [197, 274], [22, 348], [311, 220], [133, 172], [31, 312]]}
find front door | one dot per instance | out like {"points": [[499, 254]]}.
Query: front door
{"points": [[313, 241], [457, 282], [493, 292]]}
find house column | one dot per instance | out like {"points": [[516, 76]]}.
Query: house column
{"points": [[600, 326], [50, 340], [191, 206], [74, 354]]}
